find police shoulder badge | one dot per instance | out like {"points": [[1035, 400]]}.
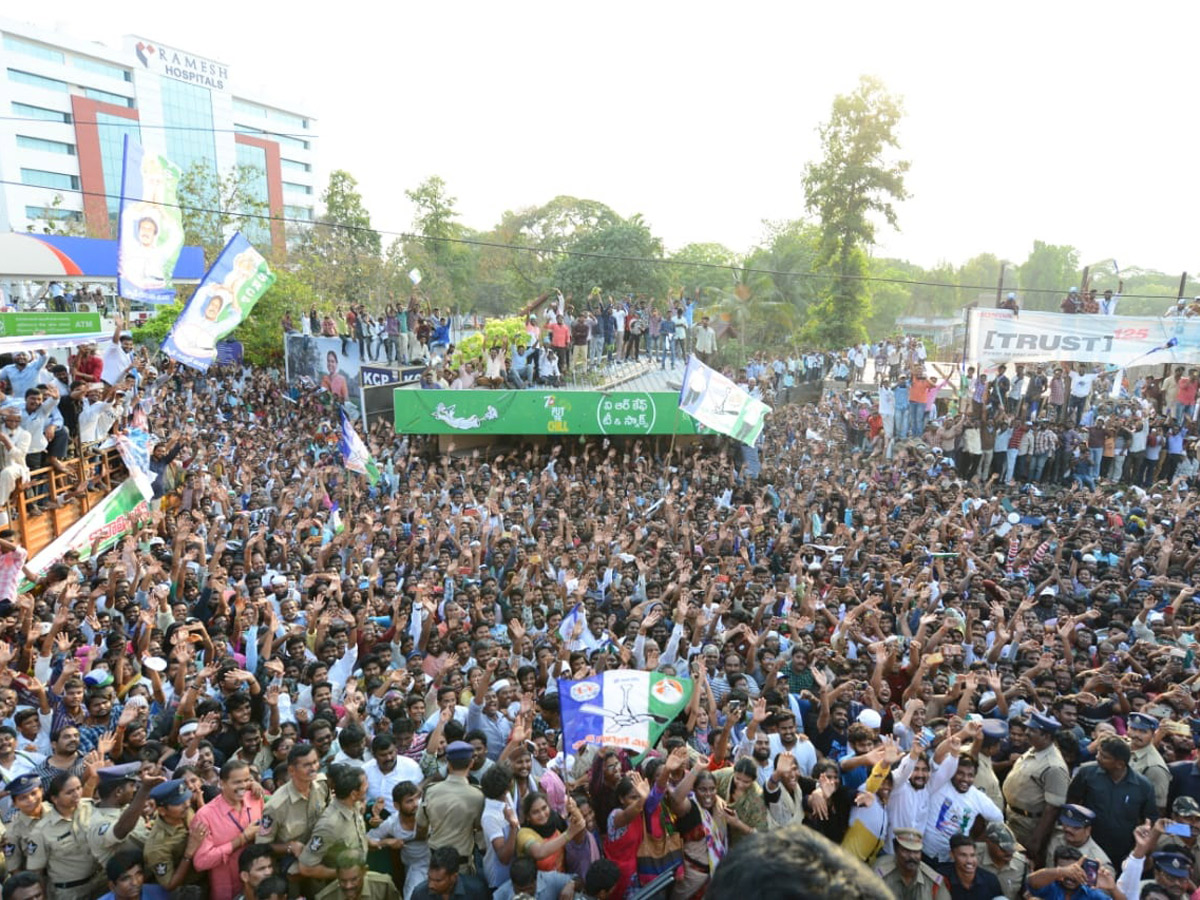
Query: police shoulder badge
{"points": [[102, 829], [267, 821], [160, 869], [316, 843]]}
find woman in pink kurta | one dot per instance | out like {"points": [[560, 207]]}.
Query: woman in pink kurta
{"points": [[233, 821]]}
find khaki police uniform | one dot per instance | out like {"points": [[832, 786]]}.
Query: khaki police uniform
{"points": [[986, 780], [452, 811], [1090, 850], [929, 884], [59, 845], [102, 838], [1011, 876], [375, 887], [163, 851], [290, 816], [1149, 762], [17, 834], [340, 829], [1039, 778]]}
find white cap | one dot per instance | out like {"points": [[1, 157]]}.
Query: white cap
{"points": [[870, 718]]}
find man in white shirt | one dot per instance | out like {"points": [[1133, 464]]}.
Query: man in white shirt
{"points": [[908, 806], [386, 770], [619, 315], [14, 445], [887, 411], [118, 356], [1108, 303], [954, 808]]}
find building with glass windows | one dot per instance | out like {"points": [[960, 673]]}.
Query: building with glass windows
{"points": [[66, 105]]}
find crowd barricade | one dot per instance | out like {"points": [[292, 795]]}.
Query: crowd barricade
{"points": [[64, 499]]}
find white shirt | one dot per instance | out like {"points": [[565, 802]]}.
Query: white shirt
{"points": [[380, 783], [1081, 385], [803, 752], [494, 826], [887, 402], [953, 813], [116, 361], [909, 807]]}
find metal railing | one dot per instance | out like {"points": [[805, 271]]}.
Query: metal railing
{"points": [[49, 502]]}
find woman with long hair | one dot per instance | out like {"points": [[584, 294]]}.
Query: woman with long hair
{"points": [[544, 833], [608, 768]]}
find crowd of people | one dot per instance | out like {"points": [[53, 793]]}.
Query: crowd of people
{"points": [[908, 682]]}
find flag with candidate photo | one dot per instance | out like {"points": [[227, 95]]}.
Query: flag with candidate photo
{"points": [[621, 708], [720, 405], [355, 453], [150, 227]]}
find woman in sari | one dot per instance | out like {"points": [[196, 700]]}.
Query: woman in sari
{"points": [[702, 820], [626, 828], [738, 788], [544, 833]]}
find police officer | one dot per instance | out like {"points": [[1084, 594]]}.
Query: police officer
{"points": [[116, 822], [59, 844], [340, 829], [292, 812], [1145, 758], [1036, 787], [26, 793], [1171, 871], [354, 882], [1075, 830], [452, 809], [905, 874], [171, 843], [992, 734], [1001, 855]]}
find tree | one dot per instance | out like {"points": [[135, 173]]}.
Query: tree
{"points": [[448, 266], [339, 255], [619, 258], [261, 333], [1047, 274], [854, 182], [705, 269], [58, 221], [213, 206]]}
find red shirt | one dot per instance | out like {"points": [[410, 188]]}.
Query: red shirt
{"points": [[560, 335], [91, 367]]}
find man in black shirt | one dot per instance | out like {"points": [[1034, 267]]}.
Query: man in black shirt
{"points": [[967, 880]]}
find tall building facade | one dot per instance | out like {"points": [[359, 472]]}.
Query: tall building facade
{"points": [[66, 105]]}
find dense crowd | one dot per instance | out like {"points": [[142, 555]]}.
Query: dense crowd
{"points": [[286, 682]]}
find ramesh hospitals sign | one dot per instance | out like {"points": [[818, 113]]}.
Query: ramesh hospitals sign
{"points": [[997, 336], [181, 66]]}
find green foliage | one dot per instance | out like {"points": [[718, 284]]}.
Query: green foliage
{"points": [[261, 333], [618, 262], [703, 280], [339, 256], [155, 329], [1050, 268], [213, 206], [448, 268], [70, 226], [854, 182]]}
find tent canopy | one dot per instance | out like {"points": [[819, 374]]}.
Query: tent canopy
{"points": [[42, 256]]}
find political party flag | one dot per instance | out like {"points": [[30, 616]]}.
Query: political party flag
{"points": [[150, 229], [720, 405], [566, 628], [621, 708], [222, 301], [335, 518], [134, 447], [355, 453]]}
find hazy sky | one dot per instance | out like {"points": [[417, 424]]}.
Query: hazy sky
{"points": [[1065, 122]]}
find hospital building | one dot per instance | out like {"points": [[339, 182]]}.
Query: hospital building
{"points": [[66, 105]]}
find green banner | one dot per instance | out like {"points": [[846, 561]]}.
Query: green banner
{"points": [[539, 412], [35, 324], [109, 520]]}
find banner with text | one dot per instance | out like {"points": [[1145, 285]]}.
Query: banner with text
{"points": [[150, 230], [539, 412], [49, 324], [231, 287], [997, 336], [106, 522]]}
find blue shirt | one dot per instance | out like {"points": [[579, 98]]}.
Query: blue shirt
{"points": [[1055, 891], [23, 379]]}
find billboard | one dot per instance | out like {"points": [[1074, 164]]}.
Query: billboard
{"points": [[539, 412], [327, 364], [997, 336]]}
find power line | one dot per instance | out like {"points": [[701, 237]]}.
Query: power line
{"points": [[477, 242], [248, 130]]}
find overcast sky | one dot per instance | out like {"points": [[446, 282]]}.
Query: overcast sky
{"points": [[1066, 122]]}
